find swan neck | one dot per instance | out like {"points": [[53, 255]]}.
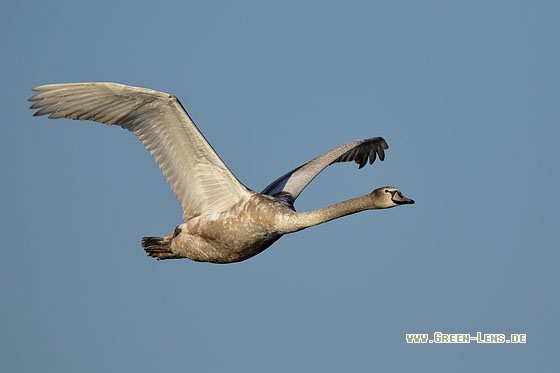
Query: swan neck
{"points": [[328, 213]]}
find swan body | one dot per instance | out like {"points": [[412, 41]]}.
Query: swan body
{"points": [[224, 221]]}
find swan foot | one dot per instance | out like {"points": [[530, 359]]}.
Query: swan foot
{"points": [[158, 247]]}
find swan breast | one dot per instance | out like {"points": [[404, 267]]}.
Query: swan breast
{"points": [[243, 231]]}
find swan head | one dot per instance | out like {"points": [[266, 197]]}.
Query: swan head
{"points": [[388, 196]]}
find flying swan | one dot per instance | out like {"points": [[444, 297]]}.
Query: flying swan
{"points": [[224, 221]]}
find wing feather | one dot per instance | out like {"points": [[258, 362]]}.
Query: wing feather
{"points": [[199, 178], [289, 186]]}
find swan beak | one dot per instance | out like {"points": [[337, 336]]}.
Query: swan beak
{"points": [[399, 199]]}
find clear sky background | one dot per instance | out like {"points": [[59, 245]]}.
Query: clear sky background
{"points": [[466, 94]]}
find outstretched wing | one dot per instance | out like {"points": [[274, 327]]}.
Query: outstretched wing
{"points": [[289, 186], [199, 178]]}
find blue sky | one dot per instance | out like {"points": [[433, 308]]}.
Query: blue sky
{"points": [[465, 93]]}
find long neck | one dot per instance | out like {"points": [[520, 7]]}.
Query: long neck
{"points": [[304, 220]]}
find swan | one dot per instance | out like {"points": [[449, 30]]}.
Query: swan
{"points": [[223, 221]]}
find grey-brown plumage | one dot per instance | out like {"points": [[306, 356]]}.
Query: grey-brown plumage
{"points": [[224, 221]]}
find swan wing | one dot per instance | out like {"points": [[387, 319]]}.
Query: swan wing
{"points": [[289, 186], [199, 178]]}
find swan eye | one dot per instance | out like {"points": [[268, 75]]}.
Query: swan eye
{"points": [[392, 192]]}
